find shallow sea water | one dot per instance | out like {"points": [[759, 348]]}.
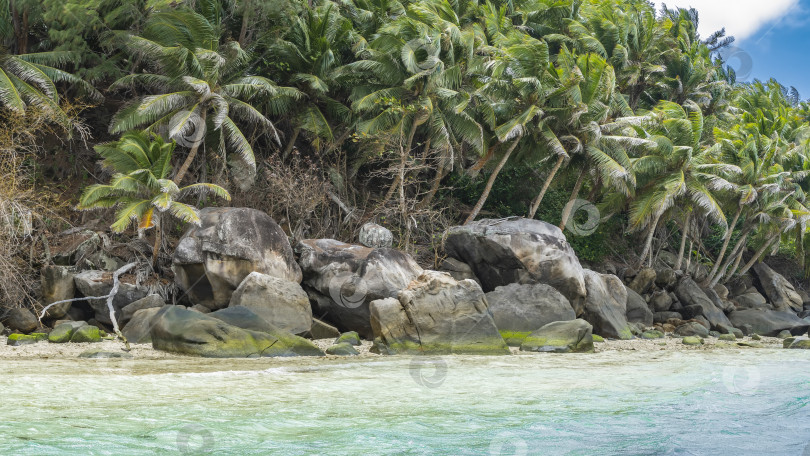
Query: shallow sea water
{"points": [[616, 403]]}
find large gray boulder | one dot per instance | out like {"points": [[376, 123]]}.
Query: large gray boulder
{"points": [[244, 318], [100, 283], [525, 308], [177, 330], [280, 302], [139, 328], [660, 301], [149, 302], [637, 309], [212, 259], [752, 300], [689, 293], [57, 285], [21, 319], [769, 322], [573, 336], [342, 279], [437, 315], [781, 293], [606, 305], [518, 250]]}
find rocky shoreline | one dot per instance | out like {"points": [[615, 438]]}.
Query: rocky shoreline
{"points": [[506, 286]]}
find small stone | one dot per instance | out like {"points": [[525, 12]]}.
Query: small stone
{"points": [[714, 334], [654, 334], [351, 338], [342, 349], [379, 347], [101, 354], [598, 338], [86, 334], [321, 330], [692, 340], [755, 337], [375, 236], [729, 337], [784, 334]]}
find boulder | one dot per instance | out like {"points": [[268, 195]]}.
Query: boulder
{"points": [[21, 319], [243, 318], [721, 291], [800, 343], [690, 294], [779, 291], [719, 302], [138, 330], [459, 270], [653, 334], [16, 339], [321, 330], [525, 308], [57, 285], [375, 236], [574, 336], [86, 333], [149, 302], [605, 305], [212, 259], [63, 332], [178, 330], [643, 281], [74, 245], [660, 301], [692, 340], [666, 278], [752, 300], [663, 317], [437, 315], [768, 322], [351, 338], [100, 283], [281, 303], [690, 312], [637, 309], [342, 349], [692, 329], [342, 279], [518, 250]]}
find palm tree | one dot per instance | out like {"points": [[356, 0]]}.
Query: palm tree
{"points": [[141, 187], [197, 85]]}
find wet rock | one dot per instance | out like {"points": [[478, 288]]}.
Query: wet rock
{"points": [[104, 354], [282, 303], [573, 336], [178, 330], [525, 308], [783, 334], [438, 315], [243, 318], [212, 259], [342, 279], [375, 236], [342, 349], [518, 250]]}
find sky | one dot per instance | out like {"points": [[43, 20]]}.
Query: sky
{"points": [[773, 37]]}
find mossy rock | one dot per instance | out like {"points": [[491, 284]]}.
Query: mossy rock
{"points": [[342, 349], [800, 344], [351, 338], [63, 332], [101, 354], [654, 334], [573, 336], [727, 337], [749, 344], [16, 339], [787, 342], [784, 334], [379, 347], [692, 340], [40, 336], [514, 338], [86, 334], [598, 338], [756, 337]]}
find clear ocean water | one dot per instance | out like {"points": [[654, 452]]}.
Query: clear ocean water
{"points": [[617, 403]]}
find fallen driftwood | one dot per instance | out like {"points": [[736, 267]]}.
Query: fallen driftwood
{"points": [[109, 297]]}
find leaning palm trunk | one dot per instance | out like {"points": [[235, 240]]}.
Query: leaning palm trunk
{"points": [[684, 235], [546, 184], [290, 144], [485, 194], [726, 240], [186, 164], [156, 248], [648, 242], [574, 194], [738, 249], [754, 259], [735, 266]]}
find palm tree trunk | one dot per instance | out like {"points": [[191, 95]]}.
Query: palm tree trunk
{"points": [[739, 248], [689, 256], [290, 144], [726, 240], [648, 242], [186, 164], [485, 194], [735, 266], [684, 235], [245, 22], [437, 182], [574, 194], [156, 248], [759, 253], [546, 184]]}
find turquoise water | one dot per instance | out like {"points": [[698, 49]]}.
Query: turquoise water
{"points": [[628, 403]]}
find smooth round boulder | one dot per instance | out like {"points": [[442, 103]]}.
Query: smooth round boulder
{"points": [[768, 322], [660, 301], [21, 319], [526, 308], [606, 305], [281, 303], [212, 259], [692, 329], [342, 349], [573, 336]]}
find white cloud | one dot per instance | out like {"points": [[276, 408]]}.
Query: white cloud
{"points": [[741, 18]]}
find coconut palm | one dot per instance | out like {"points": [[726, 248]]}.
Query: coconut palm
{"points": [[141, 186], [196, 86]]}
